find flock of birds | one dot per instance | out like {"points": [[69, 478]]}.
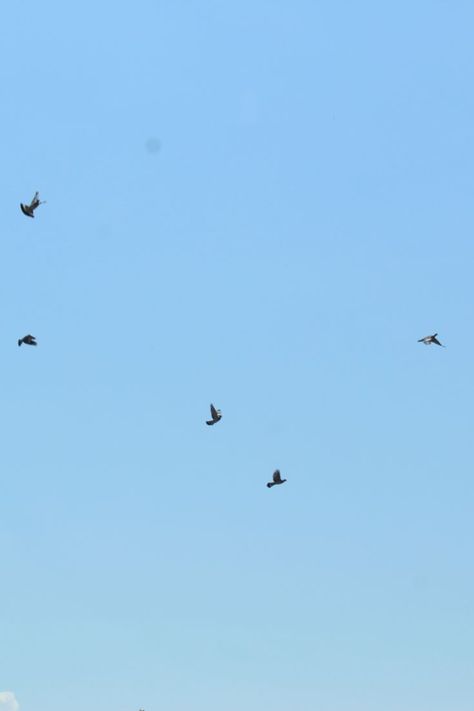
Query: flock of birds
{"points": [[216, 414]]}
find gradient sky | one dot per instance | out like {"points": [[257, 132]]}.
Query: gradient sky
{"points": [[263, 204]]}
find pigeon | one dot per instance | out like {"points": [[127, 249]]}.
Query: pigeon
{"points": [[29, 340], [28, 210], [428, 340], [276, 479], [215, 414]]}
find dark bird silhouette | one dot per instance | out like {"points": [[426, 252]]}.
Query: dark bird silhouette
{"points": [[215, 414], [28, 210], [428, 340], [29, 340], [276, 479]]}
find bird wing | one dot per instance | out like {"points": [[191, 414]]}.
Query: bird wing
{"points": [[35, 202], [277, 476], [26, 210], [435, 340], [214, 412]]}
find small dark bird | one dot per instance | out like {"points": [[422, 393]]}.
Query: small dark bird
{"points": [[28, 210], [276, 479], [428, 340], [29, 340], [215, 414]]}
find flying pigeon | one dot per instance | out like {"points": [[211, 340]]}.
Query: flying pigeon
{"points": [[428, 340], [28, 210], [215, 414], [276, 479], [29, 340]]}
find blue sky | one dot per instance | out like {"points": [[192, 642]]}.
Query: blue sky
{"points": [[263, 205]]}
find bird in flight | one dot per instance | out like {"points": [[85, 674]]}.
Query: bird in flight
{"points": [[215, 414], [29, 340], [428, 340], [276, 479], [28, 210]]}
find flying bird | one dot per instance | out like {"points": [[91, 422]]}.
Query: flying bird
{"points": [[276, 479], [215, 414], [29, 340], [428, 340], [28, 210]]}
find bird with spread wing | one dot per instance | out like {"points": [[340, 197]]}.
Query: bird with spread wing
{"points": [[29, 340], [276, 479], [28, 210], [428, 340], [215, 414]]}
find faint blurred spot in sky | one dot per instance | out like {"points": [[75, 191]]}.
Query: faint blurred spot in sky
{"points": [[153, 145]]}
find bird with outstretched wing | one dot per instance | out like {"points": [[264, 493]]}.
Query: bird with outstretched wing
{"points": [[215, 414], [28, 210], [276, 479], [428, 340], [29, 340]]}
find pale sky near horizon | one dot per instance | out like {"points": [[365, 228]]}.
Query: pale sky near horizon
{"points": [[265, 205]]}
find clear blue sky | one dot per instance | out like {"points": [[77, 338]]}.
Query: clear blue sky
{"points": [[307, 217]]}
